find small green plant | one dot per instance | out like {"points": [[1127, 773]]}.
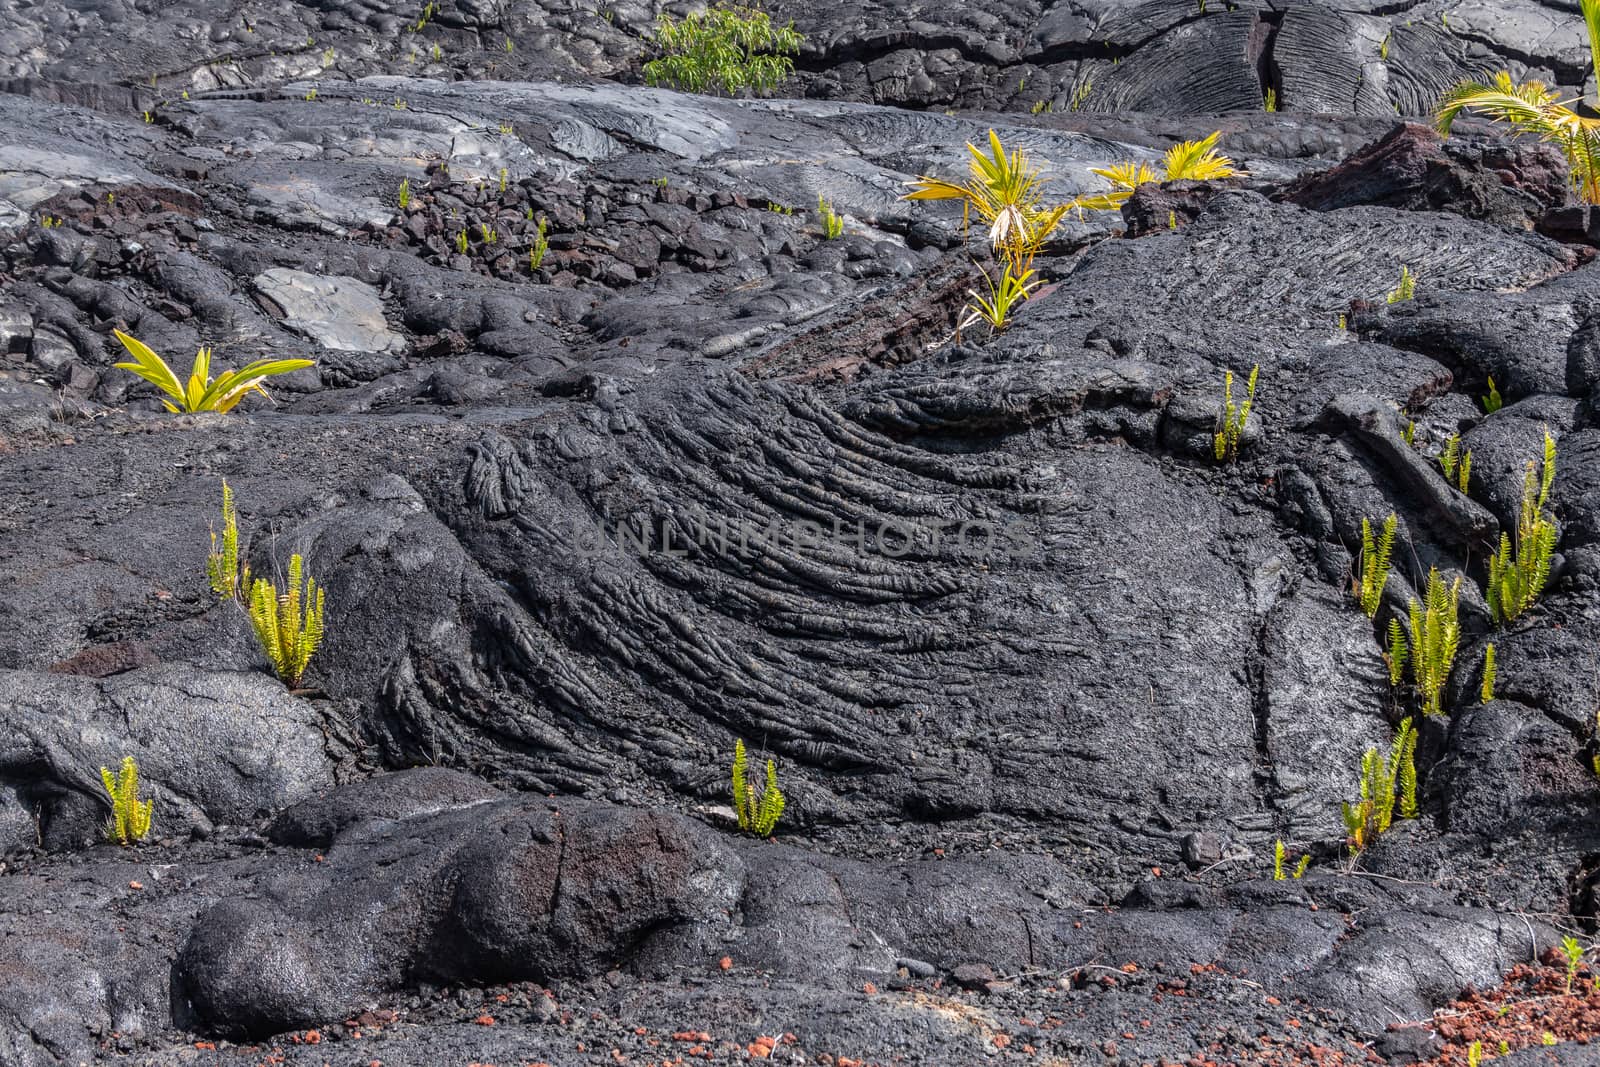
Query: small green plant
{"points": [[1475, 1054], [1172, 220], [405, 193], [758, 815], [502, 181], [289, 633], [1080, 95], [227, 573], [997, 308], [1486, 687], [1270, 101], [1383, 782], [488, 236], [507, 128], [1235, 417], [726, 48], [1383, 46], [461, 242], [541, 245], [1396, 655], [130, 817], [1406, 290], [1279, 854], [328, 55], [1375, 555], [1547, 1038], [1409, 434], [832, 221], [1456, 464], [311, 94], [202, 393], [1494, 401], [1435, 635], [1189, 160], [509, 47], [1572, 949], [1343, 323], [1531, 107], [149, 118], [1517, 578], [1041, 106]]}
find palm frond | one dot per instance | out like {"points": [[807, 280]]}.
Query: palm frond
{"points": [[1197, 160]]}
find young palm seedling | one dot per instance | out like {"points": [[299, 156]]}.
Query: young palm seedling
{"points": [[1189, 160], [1517, 578], [202, 392], [1375, 553], [758, 813], [1384, 784], [130, 817], [1531, 107], [289, 633], [1004, 192], [1235, 417]]}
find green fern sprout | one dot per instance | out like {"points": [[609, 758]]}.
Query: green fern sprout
{"points": [[541, 245], [1406, 289], [405, 193], [1457, 465], [1409, 434], [1486, 688], [436, 53], [723, 48], [1375, 553], [228, 574], [1383, 46], [1397, 653], [489, 236], [1270, 101], [461, 242], [288, 635], [1080, 95], [1572, 948], [1517, 578], [1279, 854], [509, 46], [502, 181], [832, 221], [1435, 635], [1234, 417], [1475, 1054], [130, 817], [1041, 106], [1494, 401], [1383, 781], [328, 55], [757, 814], [1172, 220]]}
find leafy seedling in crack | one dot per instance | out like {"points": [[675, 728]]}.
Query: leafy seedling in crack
{"points": [[1486, 687], [130, 817], [288, 625], [1375, 554], [1531, 107], [202, 392], [1572, 949], [1517, 574], [1385, 783], [758, 813], [541, 245], [1279, 855], [1235, 417], [405, 193], [1494, 401], [997, 308], [832, 221]]}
